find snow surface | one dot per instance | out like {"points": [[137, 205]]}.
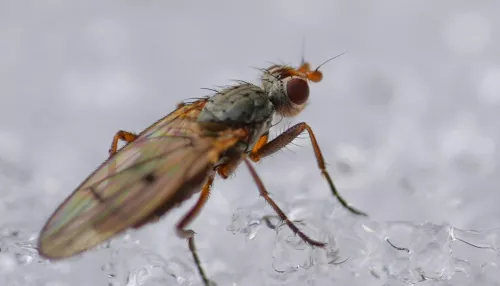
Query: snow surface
{"points": [[407, 120]]}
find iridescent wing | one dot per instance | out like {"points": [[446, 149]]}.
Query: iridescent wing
{"points": [[165, 165]]}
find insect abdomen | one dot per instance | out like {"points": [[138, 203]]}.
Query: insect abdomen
{"points": [[184, 193]]}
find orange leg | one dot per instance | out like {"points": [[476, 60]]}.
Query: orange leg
{"points": [[182, 232], [288, 136], [228, 168], [121, 135], [188, 233], [281, 214], [195, 210], [261, 143]]}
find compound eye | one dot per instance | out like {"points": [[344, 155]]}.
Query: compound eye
{"points": [[297, 90]]}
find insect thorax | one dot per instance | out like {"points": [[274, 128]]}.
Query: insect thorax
{"points": [[241, 106]]}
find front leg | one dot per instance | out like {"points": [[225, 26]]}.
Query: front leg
{"points": [[287, 137]]}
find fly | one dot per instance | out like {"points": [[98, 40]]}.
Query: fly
{"points": [[180, 155]]}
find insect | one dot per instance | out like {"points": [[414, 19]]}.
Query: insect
{"points": [[180, 155]]}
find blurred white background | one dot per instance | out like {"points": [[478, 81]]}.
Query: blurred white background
{"points": [[407, 121]]}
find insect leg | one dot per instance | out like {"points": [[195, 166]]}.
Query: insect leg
{"points": [[188, 233], [192, 247], [281, 214], [121, 135], [193, 212], [263, 140], [288, 136], [228, 168]]}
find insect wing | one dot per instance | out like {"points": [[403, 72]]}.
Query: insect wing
{"points": [[178, 123], [130, 186]]}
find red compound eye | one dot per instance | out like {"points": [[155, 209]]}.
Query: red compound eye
{"points": [[297, 90]]}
